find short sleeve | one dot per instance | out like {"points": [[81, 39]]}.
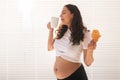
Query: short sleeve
{"points": [[86, 40]]}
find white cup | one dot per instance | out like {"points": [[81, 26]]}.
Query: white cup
{"points": [[54, 22]]}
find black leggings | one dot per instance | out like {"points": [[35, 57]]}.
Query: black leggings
{"points": [[79, 74]]}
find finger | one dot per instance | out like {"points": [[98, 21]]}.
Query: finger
{"points": [[92, 42], [48, 25], [94, 45]]}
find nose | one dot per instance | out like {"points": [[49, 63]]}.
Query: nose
{"points": [[60, 15]]}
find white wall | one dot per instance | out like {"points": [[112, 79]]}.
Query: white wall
{"points": [[23, 38]]}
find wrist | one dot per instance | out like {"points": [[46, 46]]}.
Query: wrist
{"points": [[90, 50]]}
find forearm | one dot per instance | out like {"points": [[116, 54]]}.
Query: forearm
{"points": [[50, 40], [89, 57]]}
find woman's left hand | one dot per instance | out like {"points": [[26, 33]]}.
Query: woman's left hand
{"points": [[92, 45]]}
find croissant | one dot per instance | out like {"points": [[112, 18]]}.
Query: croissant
{"points": [[95, 35]]}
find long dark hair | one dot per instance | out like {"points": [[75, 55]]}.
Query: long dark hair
{"points": [[77, 28]]}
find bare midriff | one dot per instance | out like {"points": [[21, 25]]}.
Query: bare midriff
{"points": [[64, 68]]}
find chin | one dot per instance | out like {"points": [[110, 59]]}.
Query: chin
{"points": [[64, 23]]}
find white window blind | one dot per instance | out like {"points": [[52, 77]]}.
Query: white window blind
{"points": [[23, 38]]}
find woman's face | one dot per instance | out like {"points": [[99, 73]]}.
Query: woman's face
{"points": [[66, 16]]}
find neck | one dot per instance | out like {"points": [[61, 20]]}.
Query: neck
{"points": [[68, 25]]}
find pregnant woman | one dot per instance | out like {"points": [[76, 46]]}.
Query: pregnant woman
{"points": [[71, 40]]}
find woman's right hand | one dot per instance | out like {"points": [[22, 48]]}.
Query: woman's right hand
{"points": [[49, 26]]}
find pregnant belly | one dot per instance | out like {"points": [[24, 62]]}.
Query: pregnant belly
{"points": [[64, 68]]}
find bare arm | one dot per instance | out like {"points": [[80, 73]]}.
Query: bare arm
{"points": [[88, 53], [50, 37]]}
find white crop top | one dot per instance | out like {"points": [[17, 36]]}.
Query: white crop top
{"points": [[66, 50]]}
